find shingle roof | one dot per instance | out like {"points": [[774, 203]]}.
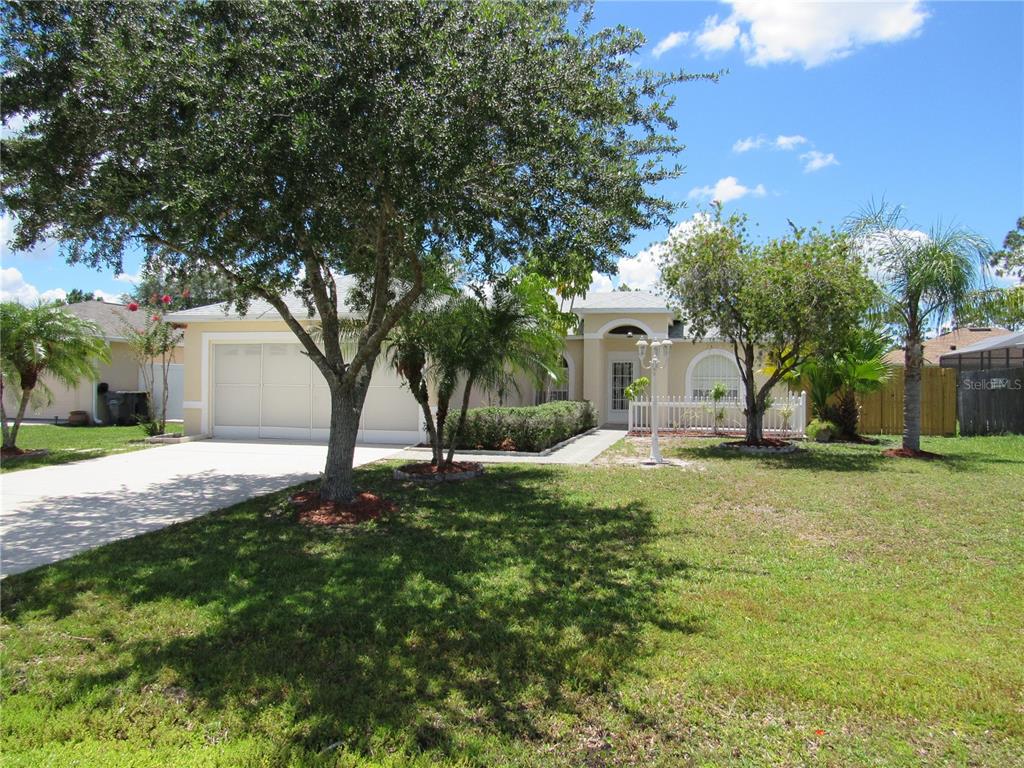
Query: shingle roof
{"points": [[1006, 340], [260, 309], [111, 318], [619, 301], [954, 341]]}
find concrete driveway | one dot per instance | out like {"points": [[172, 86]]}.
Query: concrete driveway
{"points": [[52, 513]]}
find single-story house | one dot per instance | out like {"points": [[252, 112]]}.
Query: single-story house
{"points": [[951, 341], [120, 374], [247, 376]]}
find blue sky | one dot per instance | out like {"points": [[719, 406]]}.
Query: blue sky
{"points": [[919, 103]]}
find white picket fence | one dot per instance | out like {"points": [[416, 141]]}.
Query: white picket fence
{"points": [[786, 416]]}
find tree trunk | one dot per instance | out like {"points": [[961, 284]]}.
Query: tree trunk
{"points": [[11, 434], [912, 359], [755, 420], [462, 418], [346, 408], [754, 410]]}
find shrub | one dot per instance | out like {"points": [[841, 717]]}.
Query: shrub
{"points": [[532, 428], [822, 431]]}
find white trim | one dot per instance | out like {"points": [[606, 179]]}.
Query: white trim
{"points": [[688, 381], [613, 310], [604, 329], [570, 373]]}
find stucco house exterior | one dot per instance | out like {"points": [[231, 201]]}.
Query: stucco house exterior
{"points": [[247, 376], [121, 373]]}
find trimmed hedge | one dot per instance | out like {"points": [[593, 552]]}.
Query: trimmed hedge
{"points": [[533, 428]]}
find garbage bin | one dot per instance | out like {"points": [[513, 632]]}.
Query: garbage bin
{"points": [[127, 407]]}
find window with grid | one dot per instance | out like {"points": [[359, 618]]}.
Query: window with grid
{"points": [[712, 370], [622, 377], [558, 390]]}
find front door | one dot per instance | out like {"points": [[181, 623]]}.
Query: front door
{"points": [[620, 376]]}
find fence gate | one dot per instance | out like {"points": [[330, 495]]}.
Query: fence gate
{"points": [[991, 402], [882, 411]]}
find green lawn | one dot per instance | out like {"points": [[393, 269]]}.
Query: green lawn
{"points": [[75, 443], [830, 608]]}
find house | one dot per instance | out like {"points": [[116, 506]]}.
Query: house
{"points": [[121, 373], [951, 341], [247, 376]]}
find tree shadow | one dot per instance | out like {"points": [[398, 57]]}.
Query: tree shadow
{"points": [[480, 603]]}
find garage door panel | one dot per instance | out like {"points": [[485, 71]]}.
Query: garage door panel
{"points": [[237, 364], [390, 408], [284, 364], [321, 408], [285, 407], [237, 406]]}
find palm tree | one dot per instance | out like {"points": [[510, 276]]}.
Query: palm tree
{"points": [[519, 329], [43, 341], [835, 377], [925, 279]]}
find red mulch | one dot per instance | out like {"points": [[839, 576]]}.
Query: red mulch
{"points": [[8, 453], [426, 468], [906, 453], [767, 442], [366, 506]]}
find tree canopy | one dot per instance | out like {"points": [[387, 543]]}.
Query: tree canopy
{"points": [[283, 144], [775, 303]]}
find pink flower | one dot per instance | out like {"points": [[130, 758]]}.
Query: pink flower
{"points": [[133, 306], [156, 318], [166, 298]]}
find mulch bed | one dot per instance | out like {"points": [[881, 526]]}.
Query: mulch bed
{"points": [[425, 472], [9, 454], [366, 506], [426, 468], [906, 453], [768, 442]]}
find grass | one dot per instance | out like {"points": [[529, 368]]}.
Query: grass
{"points": [[75, 443], [831, 608]]}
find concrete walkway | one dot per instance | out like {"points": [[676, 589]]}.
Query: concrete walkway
{"points": [[581, 451], [51, 513]]}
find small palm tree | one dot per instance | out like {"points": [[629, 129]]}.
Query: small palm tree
{"points": [[43, 341], [925, 278]]}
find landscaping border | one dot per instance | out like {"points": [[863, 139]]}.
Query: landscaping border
{"points": [[545, 452]]}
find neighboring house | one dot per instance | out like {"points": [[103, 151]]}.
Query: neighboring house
{"points": [[247, 377], [121, 373], [951, 341]]}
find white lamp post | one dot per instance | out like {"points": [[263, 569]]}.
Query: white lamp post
{"points": [[659, 353]]}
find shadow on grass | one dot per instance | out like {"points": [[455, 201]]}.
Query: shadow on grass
{"points": [[483, 603]]}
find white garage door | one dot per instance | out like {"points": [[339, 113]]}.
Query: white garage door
{"points": [[275, 391]]}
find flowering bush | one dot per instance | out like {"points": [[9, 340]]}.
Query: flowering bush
{"points": [[153, 348]]}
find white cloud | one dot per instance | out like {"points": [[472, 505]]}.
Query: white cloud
{"points": [[128, 277], [808, 33], [815, 160], [643, 271], [727, 189], [670, 41], [747, 144], [787, 143], [600, 283], [784, 143], [718, 36], [14, 288], [110, 298]]}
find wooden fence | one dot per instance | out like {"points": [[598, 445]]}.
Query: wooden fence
{"points": [[992, 402], [882, 412]]}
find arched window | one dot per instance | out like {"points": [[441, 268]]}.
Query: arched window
{"points": [[710, 368], [625, 330]]}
